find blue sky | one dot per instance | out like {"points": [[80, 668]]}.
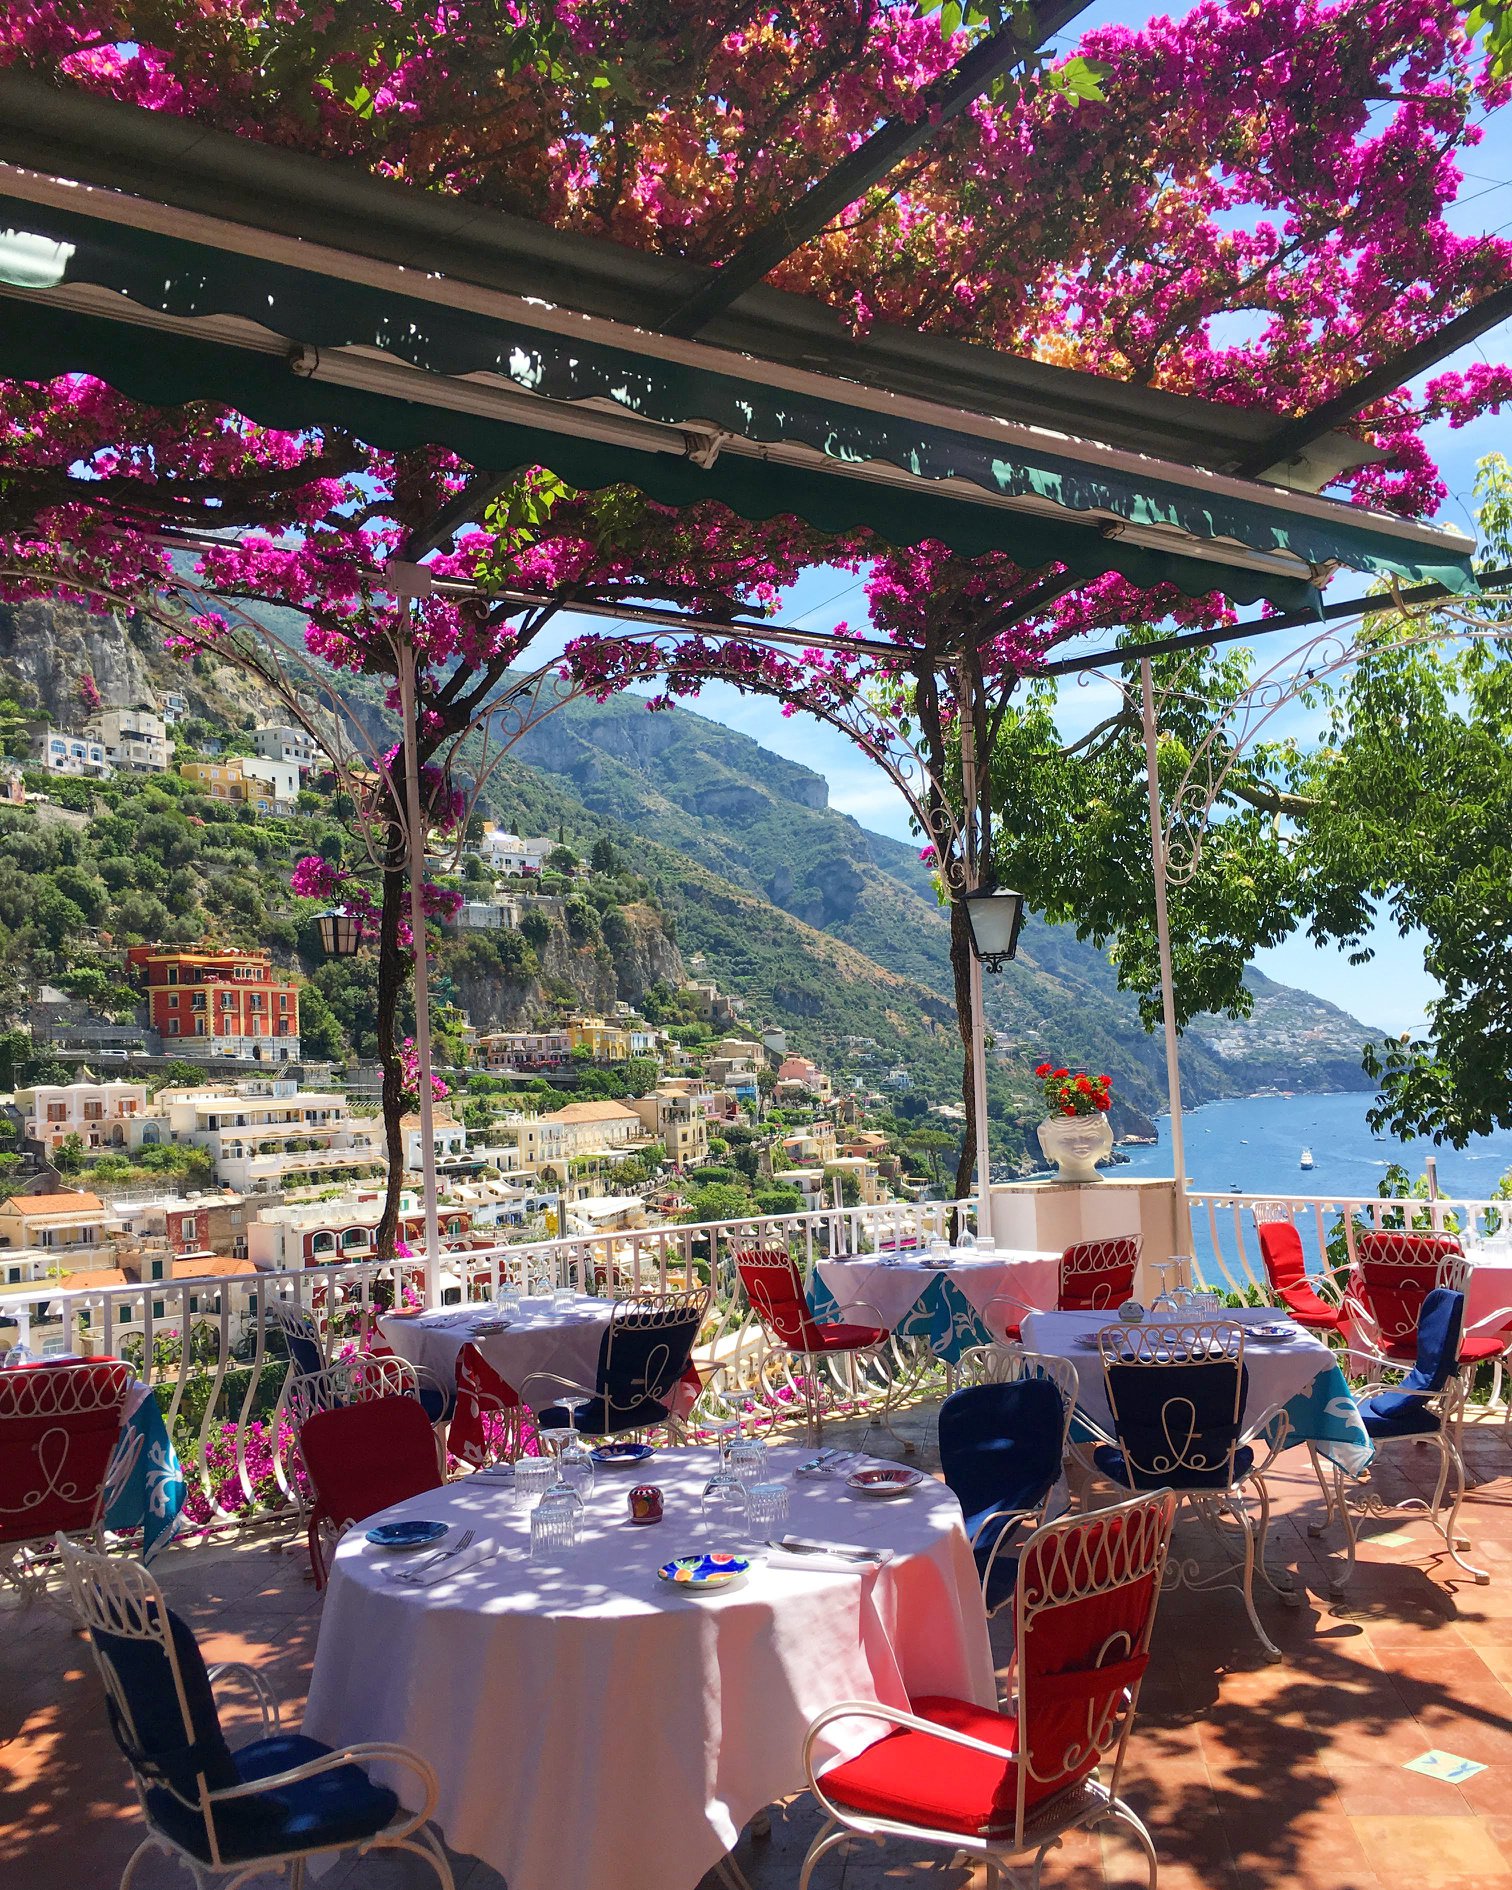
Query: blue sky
{"points": [[1392, 991]]}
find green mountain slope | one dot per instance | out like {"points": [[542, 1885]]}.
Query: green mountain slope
{"points": [[765, 823]]}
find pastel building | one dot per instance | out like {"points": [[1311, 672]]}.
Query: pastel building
{"points": [[218, 1003], [98, 1113]]}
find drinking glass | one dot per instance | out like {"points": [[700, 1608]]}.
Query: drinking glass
{"points": [[17, 1355], [965, 1239], [574, 1460], [766, 1505], [508, 1294], [553, 1526], [1166, 1301], [748, 1461], [724, 1497], [562, 1296], [534, 1476]]}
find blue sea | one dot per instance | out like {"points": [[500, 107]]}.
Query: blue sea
{"points": [[1254, 1144]]}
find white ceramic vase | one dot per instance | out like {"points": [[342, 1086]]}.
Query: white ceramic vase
{"points": [[1076, 1144]]}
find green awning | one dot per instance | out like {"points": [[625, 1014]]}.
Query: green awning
{"points": [[168, 317]]}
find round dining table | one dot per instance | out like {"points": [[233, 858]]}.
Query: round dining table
{"points": [[560, 1339], [590, 1723], [964, 1298]]}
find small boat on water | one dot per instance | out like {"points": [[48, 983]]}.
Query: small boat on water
{"points": [[1307, 1159]]}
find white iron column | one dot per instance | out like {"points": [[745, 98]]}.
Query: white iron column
{"points": [[972, 867], [1163, 936], [415, 825]]}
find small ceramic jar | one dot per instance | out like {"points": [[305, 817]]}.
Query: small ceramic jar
{"points": [[645, 1503]]}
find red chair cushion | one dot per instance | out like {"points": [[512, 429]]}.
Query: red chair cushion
{"points": [[1478, 1347], [916, 1779], [59, 1425], [1308, 1310], [363, 1457], [843, 1338]]}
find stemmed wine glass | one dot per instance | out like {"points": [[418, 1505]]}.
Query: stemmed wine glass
{"points": [[574, 1460], [724, 1493], [1166, 1300]]}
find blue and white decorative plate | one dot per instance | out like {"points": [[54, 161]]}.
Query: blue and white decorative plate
{"points": [[414, 1534], [704, 1573], [623, 1456]]}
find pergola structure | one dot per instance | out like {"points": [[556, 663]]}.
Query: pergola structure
{"points": [[177, 262]]}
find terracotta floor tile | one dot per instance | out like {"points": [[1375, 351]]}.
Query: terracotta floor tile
{"points": [[1373, 1791], [1438, 1853]]}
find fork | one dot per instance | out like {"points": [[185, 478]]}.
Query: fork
{"points": [[463, 1541]]}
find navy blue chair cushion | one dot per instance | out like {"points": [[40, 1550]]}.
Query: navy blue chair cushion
{"points": [[1000, 1449], [436, 1403], [1175, 1424], [305, 1352], [638, 1372], [1392, 1413], [1389, 1414], [336, 1808], [151, 1730]]}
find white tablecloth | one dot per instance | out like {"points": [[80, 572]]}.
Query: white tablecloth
{"points": [[894, 1287], [1490, 1281], [591, 1725], [1279, 1369], [564, 1342]]}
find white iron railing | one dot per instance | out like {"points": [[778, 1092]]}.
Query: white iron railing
{"points": [[1327, 1225], [225, 1390]]}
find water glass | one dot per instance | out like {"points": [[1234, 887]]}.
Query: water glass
{"points": [[508, 1294], [533, 1477], [562, 1298], [553, 1526], [766, 1505], [17, 1355]]}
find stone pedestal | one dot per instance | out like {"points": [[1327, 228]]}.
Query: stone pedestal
{"points": [[1053, 1214]]}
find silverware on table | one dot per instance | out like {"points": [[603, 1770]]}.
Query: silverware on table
{"points": [[464, 1541]]}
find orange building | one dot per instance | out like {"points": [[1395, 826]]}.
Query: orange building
{"points": [[218, 1003]]}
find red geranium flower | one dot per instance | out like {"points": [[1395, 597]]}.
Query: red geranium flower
{"points": [[1101, 1102], [1042, 1069], [1060, 1073]]}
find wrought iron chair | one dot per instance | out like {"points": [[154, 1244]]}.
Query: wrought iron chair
{"points": [[301, 1336], [59, 1427], [644, 1355], [1095, 1276], [356, 1380], [1001, 1785], [1002, 1447], [1426, 1406], [1394, 1272], [773, 1284], [1313, 1300], [1176, 1393], [229, 1816], [360, 1458]]}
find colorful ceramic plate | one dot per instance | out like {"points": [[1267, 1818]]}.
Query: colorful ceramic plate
{"points": [[486, 1328], [704, 1573], [623, 1456], [883, 1480], [414, 1534], [1277, 1329]]}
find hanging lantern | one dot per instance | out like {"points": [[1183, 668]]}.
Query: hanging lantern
{"points": [[996, 917], [340, 934]]}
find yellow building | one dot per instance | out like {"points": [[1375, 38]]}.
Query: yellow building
{"points": [[604, 1042]]}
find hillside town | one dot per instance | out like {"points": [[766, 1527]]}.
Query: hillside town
{"points": [[192, 1134]]}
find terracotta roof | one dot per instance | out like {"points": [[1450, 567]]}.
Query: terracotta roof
{"points": [[33, 1205], [91, 1277], [209, 1266], [592, 1112]]}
